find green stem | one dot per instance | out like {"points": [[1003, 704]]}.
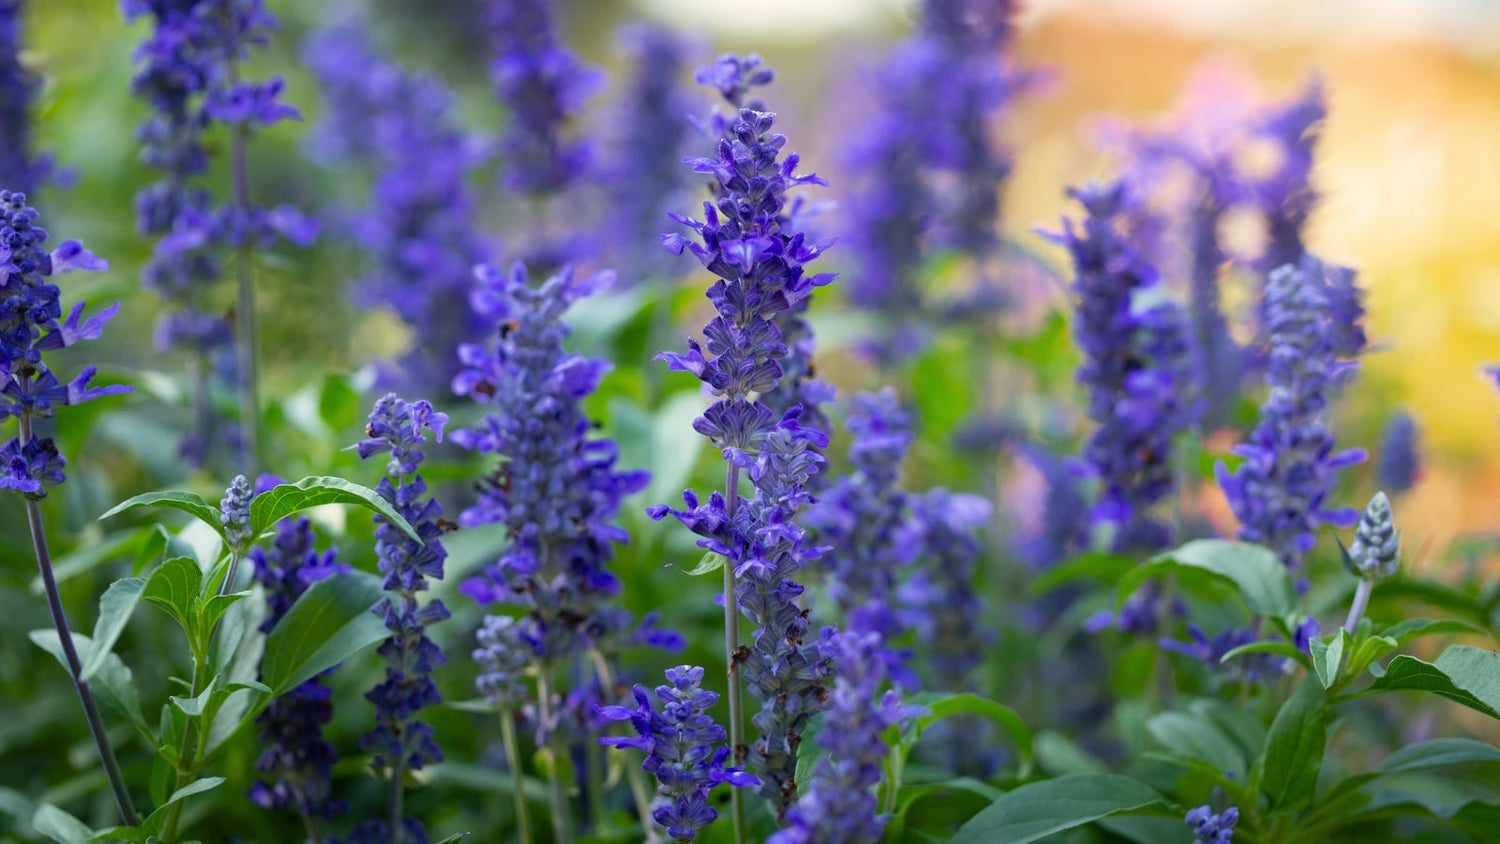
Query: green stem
{"points": [[594, 758], [187, 763], [562, 828], [513, 754], [70, 654], [732, 644], [638, 788], [1361, 601]]}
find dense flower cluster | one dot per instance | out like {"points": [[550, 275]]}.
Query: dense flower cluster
{"points": [[557, 490], [759, 258], [839, 806], [234, 513], [1399, 464], [1136, 367], [543, 85], [1278, 492], [1376, 551], [939, 600], [398, 741], [32, 323], [187, 72], [296, 757], [863, 521], [420, 218], [22, 170], [683, 748], [1210, 828]]}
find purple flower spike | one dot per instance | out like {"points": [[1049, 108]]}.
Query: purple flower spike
{"points": [[1279, 492], [23, 171], [1400, 464], [683, 748], [31, 323], [1209, 828]]}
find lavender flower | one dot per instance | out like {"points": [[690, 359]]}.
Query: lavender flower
{"points": [[649, 133], [1136, 368], [543, 85], [31, 324], [1278, 492], [234, 513], [1285, 196], [1399, 464], [1209, 828], [19, 168], [557, 491], [398, 741], [839, 807], [863, 521], [502, 657], [187, 72], [420, 218], [296, 757], [759, 257], [683, 749]]}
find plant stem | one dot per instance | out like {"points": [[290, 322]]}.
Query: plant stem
{"points": [[186, 767], [632, 774], [594, 758], [732, 644], [562, 829], [311, 829], [246, 342], [70, 653], [513, 754], [1361, 600]]}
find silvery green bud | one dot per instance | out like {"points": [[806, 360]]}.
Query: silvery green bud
{"points": [[234, 513], [1375, 551]]}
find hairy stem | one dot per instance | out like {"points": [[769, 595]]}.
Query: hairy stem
{"points": [[513, 755], [187, 763], [731, 645], [70, 654], [1361, 601]]}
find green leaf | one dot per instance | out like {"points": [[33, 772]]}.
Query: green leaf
{"points": [[175, 499], [1328, 656], [338, 403], [214, 607], [115, 608], [153, 546], [1469, 676], [121, 833], [707, 564], [174, 588], [60, 826], [1059, 754], [194, 787], [1196, 737], [1294, 748], [1039, 809], [113, 684], [277, 503], [1437, 753], [1413, 628], [1262, 581], [328, 624], [947, 705], [1286, 649], [1368, 651], [1108, 568]]}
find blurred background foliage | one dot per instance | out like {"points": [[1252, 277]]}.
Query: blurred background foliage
{"points": [[1407, 167]]}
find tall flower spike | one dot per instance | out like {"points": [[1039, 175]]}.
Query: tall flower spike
{"points": [[1136, 368], [557, 489], [399, 741], [1278, 493], [297, 758], [21, 170], [839, 806], [1399, 465], [754, 249], [420, 218], [187, 72], [939, 601], [683, 748]]}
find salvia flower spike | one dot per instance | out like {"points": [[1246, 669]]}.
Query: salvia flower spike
{"points": [[1210, 828]]}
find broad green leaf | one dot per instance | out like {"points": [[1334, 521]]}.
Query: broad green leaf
{"points": [[1328, 656], [329, 623], [281, 501], [1294, 748], [1286, 649], [1240, 726], [1058, 755], [1413, 628], [115, 608], [153, 546], [211, 609], [121, 833], [1433, 594], [338, 403], [175, 499], [174, 588], [1262, 581], [1368, 651], [60, 826], [1196, 737], [947, 705], [113, 684], [1108, 568], [1039, 809], [1469, 676]]}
